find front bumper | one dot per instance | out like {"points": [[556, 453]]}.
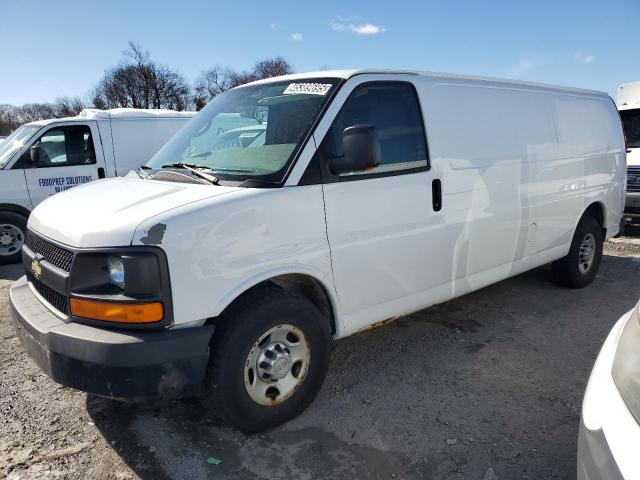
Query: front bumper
{"points": [[609, 434], [118, 364]]}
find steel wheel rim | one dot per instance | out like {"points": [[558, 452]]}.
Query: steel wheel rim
{"points": [[11, 239], [276, 365], [587, 253]]}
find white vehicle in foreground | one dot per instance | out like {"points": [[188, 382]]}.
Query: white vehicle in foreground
{"points": [[43, 158], [629, 107], [227, 267], [610, 424]]}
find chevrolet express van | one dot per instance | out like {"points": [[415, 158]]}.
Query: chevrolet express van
{"points": [[43, 158], [227, 267], [629, 108]]}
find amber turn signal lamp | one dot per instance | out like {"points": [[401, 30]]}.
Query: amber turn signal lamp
{"points": [[117, 312]]}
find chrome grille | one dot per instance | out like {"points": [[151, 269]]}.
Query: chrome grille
{"points": [[53, 254], [55, 299]]}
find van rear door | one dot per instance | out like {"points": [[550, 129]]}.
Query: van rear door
{"points": [[70, 154]]}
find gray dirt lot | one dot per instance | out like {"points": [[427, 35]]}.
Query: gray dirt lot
{"points": [[485, 386]]}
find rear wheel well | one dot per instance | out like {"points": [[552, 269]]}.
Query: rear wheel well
{"points": [[596, 211], [305, 285]]}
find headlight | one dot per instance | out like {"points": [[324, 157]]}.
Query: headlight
{"points": [[129, 286], [626, 364], [115, 265]]}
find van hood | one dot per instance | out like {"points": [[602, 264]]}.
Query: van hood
{"points": [[105, 213]]}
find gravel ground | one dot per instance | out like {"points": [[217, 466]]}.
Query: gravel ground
{"points": [[488, 386]]}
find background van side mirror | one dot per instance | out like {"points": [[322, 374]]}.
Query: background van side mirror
{"points": [[361, 149], [35, 155]]}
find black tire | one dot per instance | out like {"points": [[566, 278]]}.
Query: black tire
{"points": [[240, 328], [9, 221], [567, 271]]}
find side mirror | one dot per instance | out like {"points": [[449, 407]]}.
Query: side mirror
{"points": [[35, 154], [361, 149]]}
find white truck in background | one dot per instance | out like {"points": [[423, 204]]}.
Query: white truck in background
{"points": [[629, 108], [45, 157]]}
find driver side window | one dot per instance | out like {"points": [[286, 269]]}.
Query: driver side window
{"points": [[60, 147]]}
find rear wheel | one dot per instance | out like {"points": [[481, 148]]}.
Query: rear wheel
{"points": [[12, 234], [580, 266], [269, 358]]}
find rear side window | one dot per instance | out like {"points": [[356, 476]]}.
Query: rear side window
{"points": [[394, 111], [63, 146], [631, 123]]}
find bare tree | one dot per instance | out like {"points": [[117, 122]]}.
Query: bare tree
{"points": [[68, 106], [272, 68], [139, 82], [217, 80]]}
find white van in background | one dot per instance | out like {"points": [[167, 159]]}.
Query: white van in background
{"points": [[629, 109], [42, 158], [352, 198]]}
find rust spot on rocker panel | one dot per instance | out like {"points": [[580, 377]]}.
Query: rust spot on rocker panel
{"points": [[379, 324]]}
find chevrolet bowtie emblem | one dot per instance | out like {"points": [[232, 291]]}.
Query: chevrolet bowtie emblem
{"points": [[36, 268]]}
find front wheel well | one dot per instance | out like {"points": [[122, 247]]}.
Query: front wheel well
{"points": [[305, 285], [11, 207]]}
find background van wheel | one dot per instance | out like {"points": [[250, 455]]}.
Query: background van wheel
{"points": [[580, 266], [269, 357], [13, 227]]}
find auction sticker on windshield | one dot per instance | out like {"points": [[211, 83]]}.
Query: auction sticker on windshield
{"points": [[307, 89]]}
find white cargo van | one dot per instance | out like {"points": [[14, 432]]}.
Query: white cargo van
{"points": [[227, 267], [629, 107], [43, 158]]}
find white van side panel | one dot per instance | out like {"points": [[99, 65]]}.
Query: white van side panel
{"points": [[130, 153], [13, 186], [590, 166]]}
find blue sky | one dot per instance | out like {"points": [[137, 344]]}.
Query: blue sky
{"points": [[50, 49]]}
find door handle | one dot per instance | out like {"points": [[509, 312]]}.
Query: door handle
{"points": [[436, 194], [101, 173]]}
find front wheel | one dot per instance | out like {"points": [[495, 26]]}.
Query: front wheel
{"points": [[12, 235], [269, 358], [580, 266]]}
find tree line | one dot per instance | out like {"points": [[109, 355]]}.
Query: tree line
{"points": [[138, 81]]}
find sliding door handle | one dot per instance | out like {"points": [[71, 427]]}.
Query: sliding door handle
{"points": [[101, 173], [436, 194]]}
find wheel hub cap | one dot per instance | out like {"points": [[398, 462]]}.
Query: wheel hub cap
{"points": [[587, 253], [277, 365], [6, 239], [11, 239], [274, 362]]}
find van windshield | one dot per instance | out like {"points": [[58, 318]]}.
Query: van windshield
{"points": [[631, 122], [15, 141], [250, 132]]}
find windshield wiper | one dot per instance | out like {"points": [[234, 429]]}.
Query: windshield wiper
{"points": [[193, 168], [141, 171]]}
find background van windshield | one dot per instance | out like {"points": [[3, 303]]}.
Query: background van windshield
{"points": [[631, 122], [15, 141], [249, 132]]}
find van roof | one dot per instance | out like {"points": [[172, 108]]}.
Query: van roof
{"points": [[118, 113], [345, 74]]}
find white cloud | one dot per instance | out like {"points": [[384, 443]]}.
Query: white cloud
{"points": [[525, 65], [580, 58], [296, 36], [348, 24]]}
